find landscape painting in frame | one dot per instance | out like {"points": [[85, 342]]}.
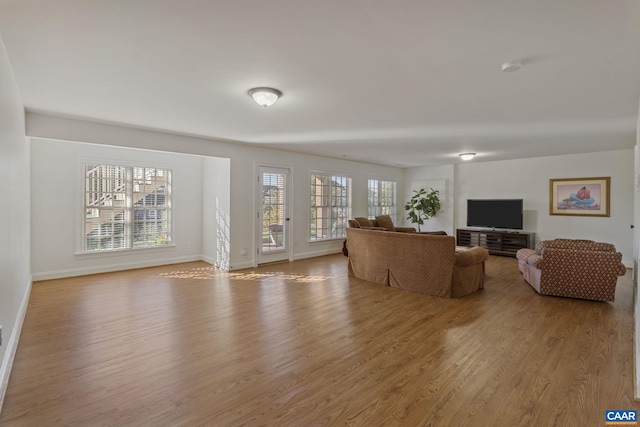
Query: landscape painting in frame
{"points": [[579, 196]]}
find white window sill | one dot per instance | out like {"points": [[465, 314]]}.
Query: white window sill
{"points": [[333, 239], [124, 252]]}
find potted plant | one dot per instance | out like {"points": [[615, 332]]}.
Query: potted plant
{"points": [[422, 206]]}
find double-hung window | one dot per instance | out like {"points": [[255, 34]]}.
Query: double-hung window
{"points": [[330, 206], [382, 198], [125, 207]]}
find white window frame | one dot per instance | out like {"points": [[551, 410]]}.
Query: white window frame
{"points": [[335, 214], [378, 204], [130, 208]]}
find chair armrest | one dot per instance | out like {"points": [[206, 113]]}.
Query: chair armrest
{"points": [[524, 253], [535, 260], [472, 256], [622, 269]]}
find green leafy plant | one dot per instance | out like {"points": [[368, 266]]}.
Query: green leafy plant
{"points": [[422, 206]]}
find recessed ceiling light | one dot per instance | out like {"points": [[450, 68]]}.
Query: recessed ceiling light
{"points": [[265, 96], [467, 156], [509, 67]]}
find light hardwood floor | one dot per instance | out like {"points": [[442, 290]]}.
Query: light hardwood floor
{"points": [[299, 344]]}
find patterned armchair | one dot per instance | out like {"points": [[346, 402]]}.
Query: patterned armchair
{"points": [[572, 268]]}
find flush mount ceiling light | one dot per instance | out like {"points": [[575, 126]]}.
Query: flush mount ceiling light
{"points": [[467, 156], [265, 96], [509, 67]]}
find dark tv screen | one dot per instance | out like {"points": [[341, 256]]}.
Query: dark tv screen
{"points": [[495, 213]]}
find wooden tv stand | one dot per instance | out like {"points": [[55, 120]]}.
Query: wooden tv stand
{"points": [[496, 242]]}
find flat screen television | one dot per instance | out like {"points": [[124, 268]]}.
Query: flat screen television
{"points": [[495, 213]]}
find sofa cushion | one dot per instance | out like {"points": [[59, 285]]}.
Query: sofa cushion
{"points": [[601, 246], [406, 230], [386, 222], [562, 244], [364, 222], [575, 244], [353, 223]]}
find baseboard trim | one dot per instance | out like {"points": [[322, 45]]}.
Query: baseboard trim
{"points": [[59, 274], [241, 265], [298, 256], [314, 254], [209, 260], [12, 344]]}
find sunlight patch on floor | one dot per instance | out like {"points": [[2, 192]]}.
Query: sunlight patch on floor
{"points": [[288, 277], [208, 273], [197, 273]]}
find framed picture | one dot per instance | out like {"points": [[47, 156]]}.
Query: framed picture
{"points": [[579, 196]]}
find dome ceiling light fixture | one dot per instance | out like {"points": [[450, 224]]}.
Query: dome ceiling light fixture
{"points": [[265, 96], [467, 156], [511, 66]]}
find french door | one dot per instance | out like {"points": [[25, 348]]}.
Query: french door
{"points": [[273, 214]]}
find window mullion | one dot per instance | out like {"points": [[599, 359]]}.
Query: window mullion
{"points": [[330, 201], [129, 208]]}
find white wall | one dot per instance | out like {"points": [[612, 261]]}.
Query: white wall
{"points": [[528, 179], [15, 279], [525, 178], [636, 258], [56, 176], [439, 178], [243, 173], [216, 205]]}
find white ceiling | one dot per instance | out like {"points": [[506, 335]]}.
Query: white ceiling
{"points": [[405, 82]]}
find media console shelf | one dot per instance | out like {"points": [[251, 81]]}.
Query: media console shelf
{"points": [[496, 242]]}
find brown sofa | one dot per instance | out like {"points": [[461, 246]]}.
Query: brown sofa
{"points": [[385, 223], [415, 262], [572, 268]]}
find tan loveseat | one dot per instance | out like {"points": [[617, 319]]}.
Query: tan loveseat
{"points": [[572, 268], [385, 223], [382, 222], [415, 262]]}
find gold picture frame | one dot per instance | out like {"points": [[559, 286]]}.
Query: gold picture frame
{"points": [[580, 196]]}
